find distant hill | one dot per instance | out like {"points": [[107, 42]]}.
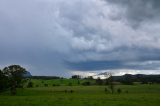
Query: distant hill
{"points": [[27, 74], [138, 78], [45, 77]]}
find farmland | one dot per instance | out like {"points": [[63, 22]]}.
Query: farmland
{"points": [[59, 93]]}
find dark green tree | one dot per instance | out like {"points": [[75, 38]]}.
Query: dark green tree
{"points": [[76, 77], [15, 75], [3, 81]]}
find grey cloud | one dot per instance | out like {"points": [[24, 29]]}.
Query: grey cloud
{"points": [[131, 59], [139, 11], [51, 37]]}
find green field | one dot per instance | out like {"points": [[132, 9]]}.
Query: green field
{"points": [[138, 95], [61, 82]]}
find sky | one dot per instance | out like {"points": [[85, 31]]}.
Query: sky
{"points": [[66, 37]]}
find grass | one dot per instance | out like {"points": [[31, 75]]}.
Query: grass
{"points": [[138, 95], [57, 82]]}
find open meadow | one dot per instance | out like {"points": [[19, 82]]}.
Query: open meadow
{"points": [[74, 95], [79, 52]]}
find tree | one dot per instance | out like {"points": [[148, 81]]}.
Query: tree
{"points": [[111, 84], [3, 81], [76, 77], [90, 77], [109, 81], [15, 75]]}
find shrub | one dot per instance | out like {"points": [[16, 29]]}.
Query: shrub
{"points": [[72, 91], [46, 85], [53, 84], [30, 84], [119, 90], [87, 83]]}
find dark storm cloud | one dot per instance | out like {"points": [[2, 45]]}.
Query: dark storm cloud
{"points": [[54, 37], [144, 60], [139, 11], [111, 65], [94, 65]]}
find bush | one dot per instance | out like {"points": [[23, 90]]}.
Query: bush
{"points": [[46, 85], [87, 83], [71, 91], [30, 84], [119, 90]]}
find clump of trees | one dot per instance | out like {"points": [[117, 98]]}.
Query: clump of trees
{"points": [[11, 78], [76, 77], [127, 79]]}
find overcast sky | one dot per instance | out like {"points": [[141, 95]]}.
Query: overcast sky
{"points": [[64, 37]]}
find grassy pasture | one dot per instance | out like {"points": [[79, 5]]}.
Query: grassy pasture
{"points": [[62, 82], [138, 95]]}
